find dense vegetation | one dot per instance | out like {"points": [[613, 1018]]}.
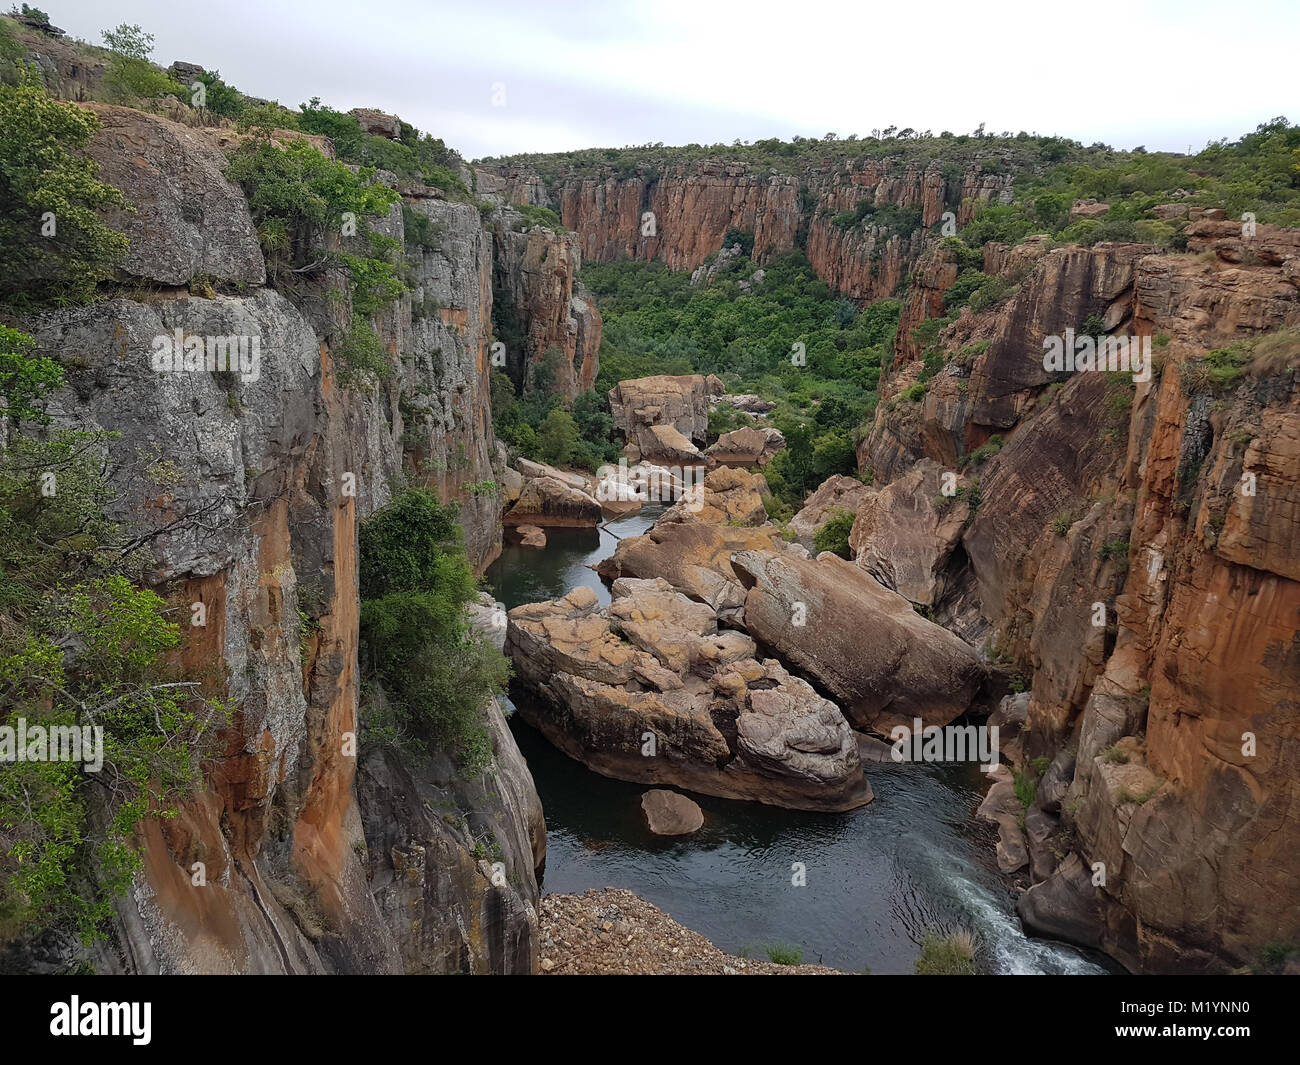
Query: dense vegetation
{"points": [[1258, 172], [996, 153], [434, 673], [786, 336], [300, 201]]}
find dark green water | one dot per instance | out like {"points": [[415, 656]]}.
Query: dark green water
{"points": [[878, 878]]}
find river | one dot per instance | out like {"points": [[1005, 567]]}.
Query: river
{"points": [[877, 879]]}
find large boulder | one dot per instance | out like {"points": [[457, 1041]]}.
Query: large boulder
{"points": [[745, 447], [745, 402], [532, 470], [186, 220], [640, 404], [530, 536], [861, 643], [512, 483], [664, 443], [648, 689], [546, 501], [725, 497], [904, 534], [836, 494], [694, 558], [378, 123]]}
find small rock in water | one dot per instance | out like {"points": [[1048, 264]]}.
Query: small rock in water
{"points": [[531, 536], [670, 814]]}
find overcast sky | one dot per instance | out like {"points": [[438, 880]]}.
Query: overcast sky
{"points": [[1163, 73]]}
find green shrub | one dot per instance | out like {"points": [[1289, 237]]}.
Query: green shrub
{"points": [[540, 216], [834, 534], [25, 378], [220, 98], [743, 237], [1026, 785], [983, 453], [362, 357], [45, 180], [1114, 550], [305, 193], [558, 438], [436, 674]]}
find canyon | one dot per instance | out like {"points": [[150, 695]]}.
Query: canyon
{"points": [[1160, 743]]}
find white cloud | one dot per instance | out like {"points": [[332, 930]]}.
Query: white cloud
{"points": [[1164, 74]]}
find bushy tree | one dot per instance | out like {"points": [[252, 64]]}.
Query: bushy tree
{"points": [[57, 249], [131, 76], [558, 438], [81, 644], [436, 674], [220, 98]]}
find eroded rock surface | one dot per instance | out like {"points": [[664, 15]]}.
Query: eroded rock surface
{"points": [[649, 689], [862, 644], [679, 403]]}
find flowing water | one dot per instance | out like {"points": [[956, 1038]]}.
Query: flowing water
{"points": [[878, 878]]}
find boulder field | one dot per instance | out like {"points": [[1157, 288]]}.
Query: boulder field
{"points": [[732, 664]]}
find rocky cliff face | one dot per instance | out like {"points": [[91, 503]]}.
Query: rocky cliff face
{"points": [[253, 486], [536, 271], [1131, 554], [680, 216]]}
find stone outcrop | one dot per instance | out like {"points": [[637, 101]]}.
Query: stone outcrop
{"points": [[695, 558], [995, 375], [1002, 808], [532, 470], [691, 207], [1115, 563], [863, 645], [433, 891], [641, 405], [725, 497], [197, 224], [837, 494], [377, 123], [530, 536], [665, 445], [745, 447], [905, 534], [648, 689], [746, 402], [544, 501], [442, 414], [680, 213], [535, 280]]}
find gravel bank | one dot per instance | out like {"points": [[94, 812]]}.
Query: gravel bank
{"points": [[614, 932]]}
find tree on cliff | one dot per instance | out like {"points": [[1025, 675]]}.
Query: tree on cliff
{"points": [[436, 674], [56, 248]]}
